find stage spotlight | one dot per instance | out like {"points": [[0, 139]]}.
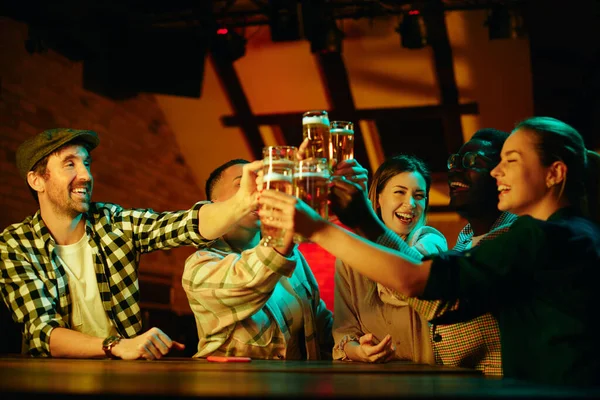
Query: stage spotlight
{"points": [[327, 39], [228, 44], [284, 20], [412, 30], [320, 27], [505, 23]]}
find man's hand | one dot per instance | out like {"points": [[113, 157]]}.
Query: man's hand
{"points": [[285, 211], [246, 198], [301, 153], [151, 345], [216, 219], [366, 350]]}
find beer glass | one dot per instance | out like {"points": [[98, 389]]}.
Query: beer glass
{"points": [[342, 141], [311, 185], [278, 169], [315, 127]]}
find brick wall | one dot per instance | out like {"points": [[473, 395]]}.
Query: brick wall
{"points": [[138, 163]]}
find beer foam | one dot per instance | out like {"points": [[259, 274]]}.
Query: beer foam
{"points": [[274, 176], [339, 131], [279, 163], [304, 175], [315, 120]]}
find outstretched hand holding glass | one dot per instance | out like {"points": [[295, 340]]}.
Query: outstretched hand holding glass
{"points": [[277, 172], [348, 169], [284, 211], [342, 141]]}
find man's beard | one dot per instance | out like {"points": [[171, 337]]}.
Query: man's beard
{"points": [[69, 207]]}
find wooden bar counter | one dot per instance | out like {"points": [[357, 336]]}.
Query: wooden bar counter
{"points": [[172, 377]]}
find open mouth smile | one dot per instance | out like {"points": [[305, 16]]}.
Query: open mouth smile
{"points": [[405, 218], [458, 186]]}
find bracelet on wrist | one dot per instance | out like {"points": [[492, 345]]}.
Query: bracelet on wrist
{"points": [[343, 342]]}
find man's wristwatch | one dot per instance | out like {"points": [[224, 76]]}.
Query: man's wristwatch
{"points": [[109, 343]]}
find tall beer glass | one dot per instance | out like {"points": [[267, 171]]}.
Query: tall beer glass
{"points": [[315, 127], [342, 140], [278, 169], [311, 185]]}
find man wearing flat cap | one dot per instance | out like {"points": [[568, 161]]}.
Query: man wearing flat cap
{"points": [[69, 273]]}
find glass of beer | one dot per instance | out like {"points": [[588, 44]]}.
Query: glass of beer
{"points": [[278, 169], [311, 185], [342, 141], [315, 127]]}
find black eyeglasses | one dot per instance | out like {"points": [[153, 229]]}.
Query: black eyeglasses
{"points": [[469, 160]]}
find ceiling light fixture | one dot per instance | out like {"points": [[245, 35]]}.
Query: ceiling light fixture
{"points": [[412, 30]]}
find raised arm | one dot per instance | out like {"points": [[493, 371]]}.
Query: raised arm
{"points": [[216, 219], [397, 271], [354, 210], [224, 288]]}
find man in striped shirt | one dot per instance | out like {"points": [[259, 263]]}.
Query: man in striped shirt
{"points": [[252, 300]]}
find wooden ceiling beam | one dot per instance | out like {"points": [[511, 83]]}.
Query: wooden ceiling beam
{"points": [[399, 113], [336, 82], [231, 83], [437, 38]]}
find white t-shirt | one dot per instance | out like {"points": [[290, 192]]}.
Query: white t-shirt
{"points": [[88, 315]]}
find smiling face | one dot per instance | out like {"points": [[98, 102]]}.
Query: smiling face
{"points": [[520, 176], [472, 190], [402, 202], [67, 185]]}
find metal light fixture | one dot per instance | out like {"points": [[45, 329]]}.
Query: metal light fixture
{"points": [[328, 39], [505, 23], [412, 30], [284, 20], [228, 44]]}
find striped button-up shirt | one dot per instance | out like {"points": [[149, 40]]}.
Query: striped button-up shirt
{"points": [[34, 283], [256, 303]]}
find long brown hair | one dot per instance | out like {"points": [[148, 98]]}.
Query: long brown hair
{"points": [[387, 170], [390, 168]]}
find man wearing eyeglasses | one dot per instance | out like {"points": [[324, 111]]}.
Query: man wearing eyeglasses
{"points": [[474, 196]]}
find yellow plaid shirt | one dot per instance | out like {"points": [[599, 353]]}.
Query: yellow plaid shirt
{"points": [[248, 304]]}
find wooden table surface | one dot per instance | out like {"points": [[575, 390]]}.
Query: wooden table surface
{"points": [[185, 377]]}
